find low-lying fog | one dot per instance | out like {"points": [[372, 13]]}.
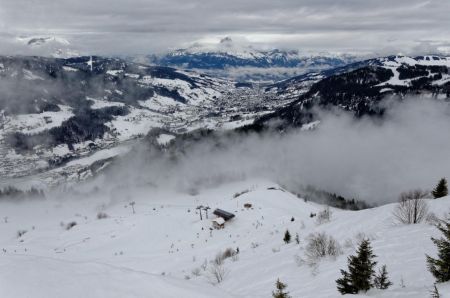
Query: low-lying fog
{"points": [[367, 159]]}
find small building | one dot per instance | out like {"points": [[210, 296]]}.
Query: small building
{"points": [[224, 214], [222, 217], [48, 119], [218, 223]]}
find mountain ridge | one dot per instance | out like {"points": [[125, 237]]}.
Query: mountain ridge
{"points": [[71, 109], [246, 63]]}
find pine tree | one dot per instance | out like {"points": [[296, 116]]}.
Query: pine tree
{"points": [[280, 293], [441, 189], [440, 267], [297, 238], [381, 280], [287, 237], [345, 285], [360, 271]]}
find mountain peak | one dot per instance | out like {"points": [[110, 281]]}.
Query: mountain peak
{"points": [[52, 46], [226, 41], [42, 40]]}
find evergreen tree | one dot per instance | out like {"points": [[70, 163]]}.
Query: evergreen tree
{"points": [[287, 237], [440, 267], [280, 293], [441, 189], [345, 285], [297, 238], [381, 280], [360, 271]]}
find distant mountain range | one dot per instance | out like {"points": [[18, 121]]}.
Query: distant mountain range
{"points": [[245, 63], [225, 59]]}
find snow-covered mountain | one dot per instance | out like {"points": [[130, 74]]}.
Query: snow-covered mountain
{"points": [[360, 87], [50, 46], [245, 63], [97, 246]]}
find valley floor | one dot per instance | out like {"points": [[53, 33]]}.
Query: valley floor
{"points": [[161, 250]]}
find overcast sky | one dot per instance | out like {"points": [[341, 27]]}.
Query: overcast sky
{"points": [[146, 26]]}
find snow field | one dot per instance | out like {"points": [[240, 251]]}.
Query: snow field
{"points": [[154, 252]]}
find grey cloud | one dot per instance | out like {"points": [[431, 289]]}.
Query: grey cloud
{"points": [[110, 27], [367, 159]]}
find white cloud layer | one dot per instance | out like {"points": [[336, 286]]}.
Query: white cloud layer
{"points": [[367, 159]]}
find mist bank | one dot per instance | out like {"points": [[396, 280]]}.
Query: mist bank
{"points": [[370, 159]]}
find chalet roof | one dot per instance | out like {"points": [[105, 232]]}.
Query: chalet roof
{"points": [[224, 214], [219, 220]]}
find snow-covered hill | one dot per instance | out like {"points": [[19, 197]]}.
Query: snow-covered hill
{"points": [[288, 87], [162, 248], [361, 86]]}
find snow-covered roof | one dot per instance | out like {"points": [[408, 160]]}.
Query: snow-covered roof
{"points": [[219, 220]]}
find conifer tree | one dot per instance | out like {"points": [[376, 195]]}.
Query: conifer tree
{"points": [[287, 237], [441, 189], [381, 280], [440, 267], [360, 271], [345, 285], [280, 293]]}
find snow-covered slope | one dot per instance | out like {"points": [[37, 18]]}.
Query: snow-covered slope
{"points": [[289, 86], [160, 250], [361, 86]]}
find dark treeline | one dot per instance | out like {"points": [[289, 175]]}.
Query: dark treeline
{"points": [[86, 125], [13, 193], [314, 194]]}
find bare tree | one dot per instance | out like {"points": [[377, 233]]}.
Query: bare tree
{"points": [[217, 271], [321, 245], [196, 272], [412, 207], [324, 216]]}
